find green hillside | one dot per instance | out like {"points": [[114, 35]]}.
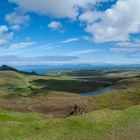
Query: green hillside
{"points": [[37, 107]]}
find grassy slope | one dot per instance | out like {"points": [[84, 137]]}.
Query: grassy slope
{"points": [[116, 100], [11, 81], [103, 124]]}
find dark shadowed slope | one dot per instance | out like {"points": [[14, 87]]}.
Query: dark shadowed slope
{"points": [[8, 68]]}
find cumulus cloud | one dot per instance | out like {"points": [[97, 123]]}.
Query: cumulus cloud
{"points": [[59, 9], [90, 16], [16, 20], [5, 35], [116, 23], [55, 25]]}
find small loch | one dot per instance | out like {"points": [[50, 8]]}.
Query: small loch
{"points": [[101, 91]]}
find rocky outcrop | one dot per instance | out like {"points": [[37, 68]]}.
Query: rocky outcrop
{"points": [[77, 110]]}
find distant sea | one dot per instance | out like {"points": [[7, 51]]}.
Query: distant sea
{"points": [[42, 69]]}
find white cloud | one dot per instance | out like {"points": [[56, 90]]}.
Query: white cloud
{"points": [[77, 53], [55, 8], [55, 25], [75, 39], [3, 29], [70, 40], [5, 35], [116, 23], [90, 16], [19, 60], [128, 44], [124, 50], [127, 47], [15, 27], [61, 8], [21, 45], [16, 20]]}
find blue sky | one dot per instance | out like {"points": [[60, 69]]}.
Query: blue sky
{"points": [[70, 32]]}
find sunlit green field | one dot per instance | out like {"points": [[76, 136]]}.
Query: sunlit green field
{"points": [[103, 124]]}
